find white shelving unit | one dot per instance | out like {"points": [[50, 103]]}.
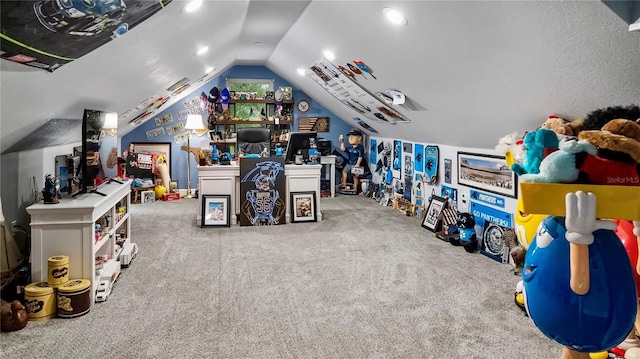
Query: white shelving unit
{"points": [[85, 228]]}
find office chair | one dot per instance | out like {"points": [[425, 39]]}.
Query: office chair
{"points": [[254, 140]]}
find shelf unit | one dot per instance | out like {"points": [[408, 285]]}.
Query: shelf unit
{"points": [[89, 229], [229, 124]]}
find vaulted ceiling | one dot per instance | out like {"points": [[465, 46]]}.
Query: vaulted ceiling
{"points": [[480, 69]]}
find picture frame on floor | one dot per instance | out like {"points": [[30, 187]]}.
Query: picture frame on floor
{"points": [[147, 196], [432, 216], [303, 207], [216, 210]]}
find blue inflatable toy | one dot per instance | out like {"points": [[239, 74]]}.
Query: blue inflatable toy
{"points": [[596, 321]]}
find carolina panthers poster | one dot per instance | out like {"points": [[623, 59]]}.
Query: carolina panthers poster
{"points": [[262, 191], [431, 160], [50, 33]]}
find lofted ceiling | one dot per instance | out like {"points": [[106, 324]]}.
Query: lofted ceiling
{"points": [[480, 69]]}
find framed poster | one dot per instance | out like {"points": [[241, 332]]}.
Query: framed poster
{"points": [[431, 218], [262, 191], [303, 207], [487, 172], [447, 170], [216, 210]]}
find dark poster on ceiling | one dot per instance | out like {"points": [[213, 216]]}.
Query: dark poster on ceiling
{"points": [[50, 33], [262, 191]]}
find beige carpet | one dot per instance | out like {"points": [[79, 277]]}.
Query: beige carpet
{"points": [[366, 282]]}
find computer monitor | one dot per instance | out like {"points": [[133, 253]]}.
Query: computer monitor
{"points": [[298, 141]]}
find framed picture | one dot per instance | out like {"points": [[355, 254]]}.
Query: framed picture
{"points": [[303, 207], [447, 170], [487, 172], [216, 210], [147, 156], [148, 196], [432, 215]]}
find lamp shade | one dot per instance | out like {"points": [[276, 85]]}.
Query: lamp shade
{"points": [[194, 122], [110, 121]]}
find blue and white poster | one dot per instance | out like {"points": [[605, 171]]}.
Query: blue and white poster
{"points": [[419, 157], [373, 151], [450, 193], [397, 154]]}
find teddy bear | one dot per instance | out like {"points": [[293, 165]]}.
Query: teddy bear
{"points": [[13, 316], [563, 127], [618, 156], [537, 145]]}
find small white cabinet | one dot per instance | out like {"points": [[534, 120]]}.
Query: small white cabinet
{"points": [[89, 229]]}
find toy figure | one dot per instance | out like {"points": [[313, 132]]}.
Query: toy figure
{"points": [[578, 281], [131, 164], [355, 154], [466, 233], [50, 190]]}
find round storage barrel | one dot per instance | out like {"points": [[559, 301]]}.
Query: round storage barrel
{"points": [[58, 270], [74, 298], [40, 301]]}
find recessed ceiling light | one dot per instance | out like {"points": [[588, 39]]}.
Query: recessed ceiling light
{"points": [[203, 49], [193, 5], [302, 72], [394, 17], [210, 69], [329, 55]]}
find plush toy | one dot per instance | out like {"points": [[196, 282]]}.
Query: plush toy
{"points": [[13, 316], [561, 166], [512, 147], [618, 157], [562, 126], [598, 118], [619, 135], [536, 145], [466, 235]]}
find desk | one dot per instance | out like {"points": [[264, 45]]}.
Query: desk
{"points": [[331, 161], [225, 179]]}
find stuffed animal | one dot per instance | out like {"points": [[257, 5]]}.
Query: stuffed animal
{"points": [[598, 118], [618, 160], [561, 166], [563, 127], [511, 146], [13, 316], [536, 145]]}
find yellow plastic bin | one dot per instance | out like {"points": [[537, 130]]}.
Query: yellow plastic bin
{"points": [[612, 202]]}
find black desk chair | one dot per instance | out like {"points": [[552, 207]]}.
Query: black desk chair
{"points": [[253, 140]]}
